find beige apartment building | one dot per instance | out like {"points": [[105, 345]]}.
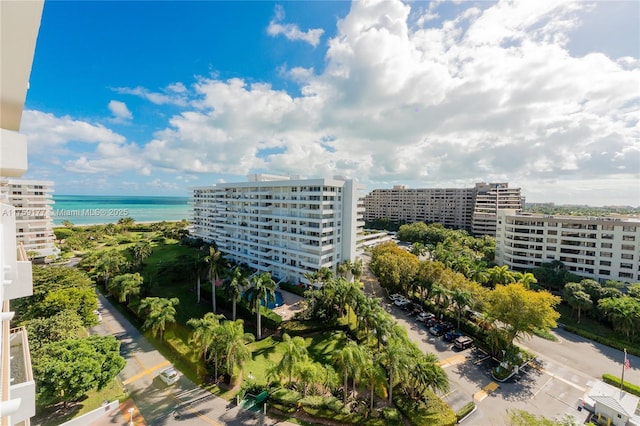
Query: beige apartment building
{"points": [[282, 225], [601, 248], [20, 22], [33, 201], [473, 209]]}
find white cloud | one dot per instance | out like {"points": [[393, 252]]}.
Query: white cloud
{"points": [[120, 111], [174, 94], [45, 131], [292, 31]]}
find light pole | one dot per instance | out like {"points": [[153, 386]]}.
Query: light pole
{"points": [[131, 416]]}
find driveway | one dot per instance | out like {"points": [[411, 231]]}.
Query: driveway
{"points": [[183, 403]]}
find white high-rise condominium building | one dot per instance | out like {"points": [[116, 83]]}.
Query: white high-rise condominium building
{"points": [[473, 209], [34, 214], [601, 248], [286, 226], [20, 22]]}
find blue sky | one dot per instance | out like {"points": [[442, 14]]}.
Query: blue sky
{"points": [[152, 98]]}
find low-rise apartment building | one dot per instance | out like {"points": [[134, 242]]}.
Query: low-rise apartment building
{"points": [[473, 209], [601, 248], [33, 201], [286, 226]]}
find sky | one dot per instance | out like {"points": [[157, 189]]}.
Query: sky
{"points": [[156, 97]]}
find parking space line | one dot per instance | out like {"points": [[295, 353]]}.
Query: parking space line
{"points": [[553, 376], [454, 360], [145, 372]]}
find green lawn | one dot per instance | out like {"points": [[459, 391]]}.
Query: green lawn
{"points": [[268, 351]]}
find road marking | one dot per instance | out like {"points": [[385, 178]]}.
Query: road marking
{"points": [[542, 387], [456, 359], [192, 410], [482, 394], [553, 376], [145, 372]]}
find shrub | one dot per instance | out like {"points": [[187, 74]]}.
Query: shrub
{"points": [[465, 411], [433, 412], [315, 401], [391, 416], [609, 341], [615, 381], [285, 397], [301, 327], [293, 288]]}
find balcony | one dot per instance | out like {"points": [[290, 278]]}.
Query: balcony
{"points": [[22, 386]]}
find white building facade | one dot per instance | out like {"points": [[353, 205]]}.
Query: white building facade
{"points": [[34, 214], [473, 209], [285, 226], [20, 22], [601, 248]]}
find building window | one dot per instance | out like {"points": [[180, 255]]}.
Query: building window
{"points": [[628, 238], [605, 254], [605, 262], [626, 256], [629, 228], [624, 265], [607, 227], [607, 236], [604, 272], [625, 275], [606, 245], [628, 247]]}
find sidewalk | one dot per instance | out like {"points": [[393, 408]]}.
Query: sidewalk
{"points": [[122, 416]]}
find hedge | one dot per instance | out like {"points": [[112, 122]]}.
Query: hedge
{"points": [[392, 416], [433, 412], [465, 411], [270, 319], [293, 288], [615, 381], [285, 397], [302, 327]]}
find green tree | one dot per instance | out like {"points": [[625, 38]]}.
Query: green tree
{"points": [[395, 359], [294, 351], [126, 223], [461, 300], [217, 263], [60, 326], [141, 251], [624, 314], [525, 278], [441, 297], [109, 263], [577, 298], [82, 300], [522, 311], [349, 361], [634, 290], [205, 330], [236, 280], [158, 312], [236, 350], [262, 288], [357, 268], [309, 373], [66, 370], [124, 286], [372, 374], [500, 275]]}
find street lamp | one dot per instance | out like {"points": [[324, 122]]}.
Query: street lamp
{"points": [[131, 416]]}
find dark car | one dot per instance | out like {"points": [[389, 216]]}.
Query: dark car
{"points": [[450, 336], [440, 329], [431, 322]]}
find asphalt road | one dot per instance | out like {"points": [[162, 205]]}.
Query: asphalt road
{"points": [[183, 403]]}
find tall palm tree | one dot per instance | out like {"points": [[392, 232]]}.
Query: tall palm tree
{"points": [[395, 359], [500, 275], [294, 352], [357, 268], [205, 330], [461, 300], [263, 288], [372, 374], [126, 222], [440, 296], [426, 374], [216, 262], [141, 251], [348, 360], [237, 352], [309, 373], [236, 280], [525, 278], [478, 272], [158, 313], [109, 263], [344, 269]]}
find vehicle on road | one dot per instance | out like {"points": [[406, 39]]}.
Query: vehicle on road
{"points": [[440, 329], [463, 342], [450, 336], [396, 296], [401, 302], [424, 316], [169, 376]]}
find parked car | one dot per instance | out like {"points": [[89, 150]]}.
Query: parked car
{"points": [[430, 322], [396, 296], [424, 316], [440, 329], [169, 376], [450, 336], [401, 302], [463, 342]]}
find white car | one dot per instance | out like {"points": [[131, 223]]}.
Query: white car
{"points": [[396, 296], [401, 302], [169, 376]]}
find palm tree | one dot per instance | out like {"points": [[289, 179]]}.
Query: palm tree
{"points": [[478, 272], [237, 280], [109, 263], [372, 374], [344, 268], [294, 351], [141, 251], [205, 330], [394, 358], [461, 299], [126, 285], [237, 352], [357, 268], [525, 278], [426, 374], [126, 222], [500, 275], [158, 313], [440, 296], [582, 301], [309, 373], [349, 360], [263, 288], [216, 262]]}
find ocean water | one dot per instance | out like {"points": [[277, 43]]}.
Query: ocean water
{"points": [[101, 209]]}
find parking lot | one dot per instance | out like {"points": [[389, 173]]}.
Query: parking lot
{"points": [[538, 389]]}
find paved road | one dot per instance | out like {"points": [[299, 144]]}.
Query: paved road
{"points": [[183, 403]]}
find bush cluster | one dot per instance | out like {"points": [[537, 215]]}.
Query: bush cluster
{"points": [[615, 381]]}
